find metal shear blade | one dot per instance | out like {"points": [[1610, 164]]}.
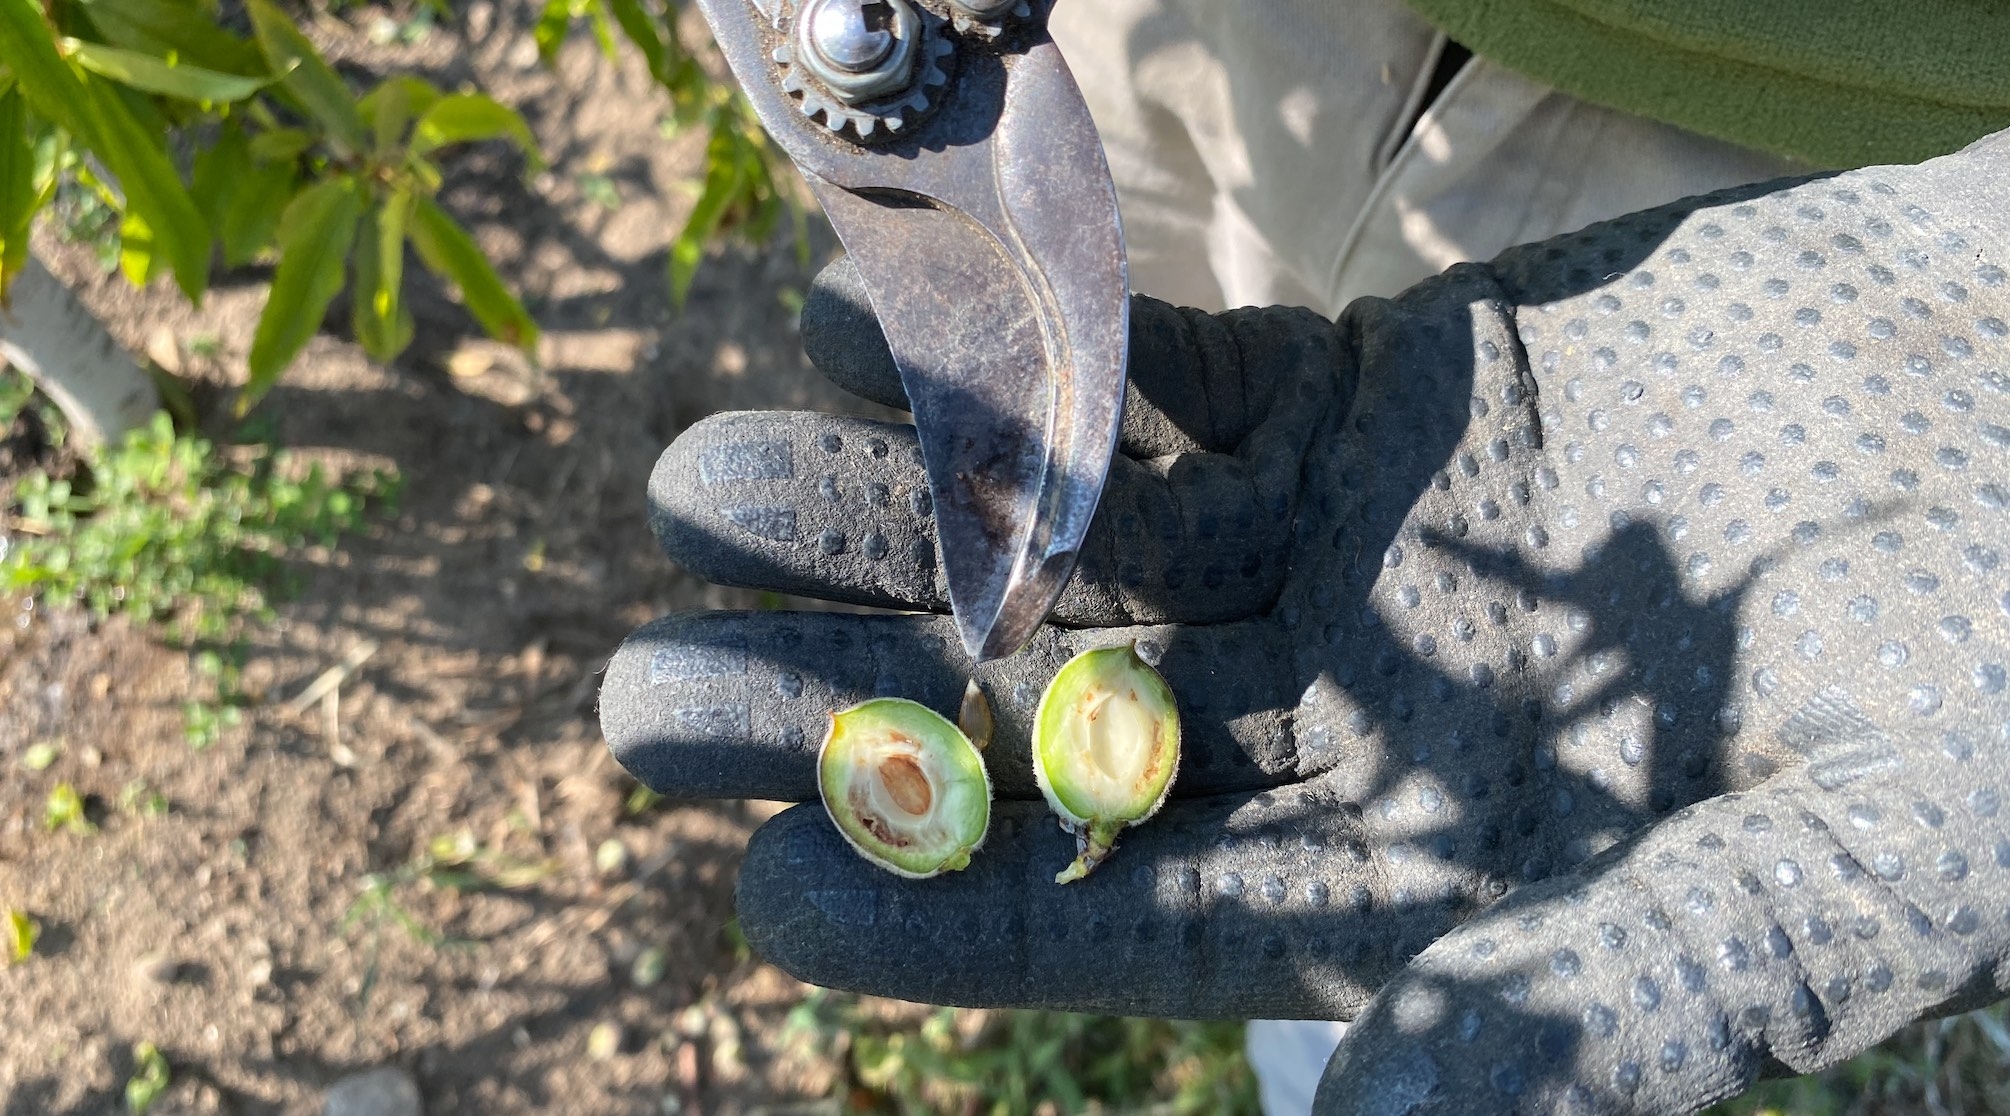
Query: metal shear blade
{"points": [[956, 159]]}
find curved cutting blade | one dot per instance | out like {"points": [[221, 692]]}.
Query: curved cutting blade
{"points": [[989, 244]]}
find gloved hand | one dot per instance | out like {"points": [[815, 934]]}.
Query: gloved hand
{"points": [[1592, 663]]}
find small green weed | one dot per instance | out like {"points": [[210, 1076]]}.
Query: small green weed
{"points": [[22, 933], [454, 861], [171, 528], [406, 28], [377, 905], [458, 861], [640, 801], [203, 723], [65, 810], [221, 703], [151, 1077], [174, 529], [736, 940], [86, 211], [1012, 1062], [139, 799], [600, 190], [16, 394]]}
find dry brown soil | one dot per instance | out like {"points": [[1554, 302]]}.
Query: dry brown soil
{"points": [[222, 931]]}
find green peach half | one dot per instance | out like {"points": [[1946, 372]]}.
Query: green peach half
{"points": [[1105, 749], [905, 787]]}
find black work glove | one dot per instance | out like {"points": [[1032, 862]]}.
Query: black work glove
{"points": [[1592, 663]]}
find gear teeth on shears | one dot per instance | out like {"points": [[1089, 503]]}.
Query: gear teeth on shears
{"points": [[893, 114]]}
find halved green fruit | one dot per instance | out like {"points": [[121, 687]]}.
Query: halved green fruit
{"points": [[1105, 749], [905, 787]]}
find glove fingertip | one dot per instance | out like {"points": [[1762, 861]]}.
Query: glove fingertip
{"points": [[786, 916], [811, 906], [841, 336], [1383, 1079], [677, 716]]}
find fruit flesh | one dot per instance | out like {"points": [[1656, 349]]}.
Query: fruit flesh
{"points": [[1106, 746], [904, 787]]}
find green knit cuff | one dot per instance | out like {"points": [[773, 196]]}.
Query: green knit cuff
{"points": [[1845, 83]]}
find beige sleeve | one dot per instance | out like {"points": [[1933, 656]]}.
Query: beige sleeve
{"points": [[1264, 151]]}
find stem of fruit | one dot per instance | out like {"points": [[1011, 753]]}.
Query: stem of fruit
{"points": [[1095, 841]]}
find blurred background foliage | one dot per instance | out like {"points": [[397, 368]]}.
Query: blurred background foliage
{"points": [[995, 1063], [204, 136], [186, 136], [1945, 1067]]}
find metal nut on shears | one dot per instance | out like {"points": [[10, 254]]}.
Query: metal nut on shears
{"points": [[987, 17], [867, 65]]}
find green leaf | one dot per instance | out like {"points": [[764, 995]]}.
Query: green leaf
{"points": [[150, 1078], [143, 107], [176, 28], [281, 143], [383, 322], [552, 24], [450, 253], [220, 170], [393, 104], [314, 240], [169, 79], [725, 177], [96, 113], [52, 88], [19, 199], [319, 89], [468, 117], [22, 932], [603, 29], [50, 148], [139, 256], [152, 186], [641, 28], [255, 209]]}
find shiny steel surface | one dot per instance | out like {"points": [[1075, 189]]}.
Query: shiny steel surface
{"points": [[859, 49], [988, 238], [838, 30]]}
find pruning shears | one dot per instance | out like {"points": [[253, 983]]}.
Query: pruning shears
{"points": [[955, 157]]}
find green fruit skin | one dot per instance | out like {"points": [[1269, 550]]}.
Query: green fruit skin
{"points": [[1096, 828], [965, 785]]}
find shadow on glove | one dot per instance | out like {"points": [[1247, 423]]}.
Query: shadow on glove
{"points": [[1697, 511]]}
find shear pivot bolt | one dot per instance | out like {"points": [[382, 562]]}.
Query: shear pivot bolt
{"points": [[987, 19], [861, 50]]}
